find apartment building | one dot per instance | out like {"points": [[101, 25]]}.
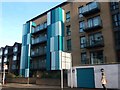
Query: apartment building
{"points": [[88, 30], [1, 57], [115, 12], [10, 55], [16, 58]]}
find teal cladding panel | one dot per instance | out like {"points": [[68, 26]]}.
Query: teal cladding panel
{"points": [[55, 38], [34, 24]]}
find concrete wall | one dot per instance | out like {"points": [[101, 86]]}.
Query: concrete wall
{"points": [[39, 81], [112, 73], [21, 80]]}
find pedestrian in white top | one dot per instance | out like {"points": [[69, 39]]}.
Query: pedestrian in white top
{"points": [[103, 79]]}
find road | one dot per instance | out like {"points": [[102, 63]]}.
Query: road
{"points": [[15, 86]]}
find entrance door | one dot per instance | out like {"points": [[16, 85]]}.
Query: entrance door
{"points": [[85, 78]]}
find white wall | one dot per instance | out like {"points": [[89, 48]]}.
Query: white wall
{"points": [[112, 72]]}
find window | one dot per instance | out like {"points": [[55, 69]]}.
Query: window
{"points": [[114, 5], [84, 58], [92, 5], [96, 57], [15, 49], [1, 52], [41, 26], [117, 39], [81, 26], [0, 60], [116, 20], [69, 44], [6, 51], [68, 32], [80, 11], [83, 42], [92, 22], [68, 16], [5, 59], [95, 38], [45, 24], [15, 57]]}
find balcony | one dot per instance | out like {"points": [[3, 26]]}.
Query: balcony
{"points": [[39, 40], [95, 44], [96, 26], [117, 47], [94, 60], [38, 52], [38, 65], [38, 29], [91, 8]]}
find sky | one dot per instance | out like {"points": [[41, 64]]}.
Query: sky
{"points": [[14, 14]]}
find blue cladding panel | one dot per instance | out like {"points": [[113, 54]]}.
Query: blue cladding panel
{"points": [[53, 15], [55, 38], [25, 58]]}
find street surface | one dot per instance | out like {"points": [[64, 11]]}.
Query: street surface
{"points": [[16, 86]]}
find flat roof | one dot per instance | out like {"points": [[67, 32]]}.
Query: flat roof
{"points": [[64, 3]]}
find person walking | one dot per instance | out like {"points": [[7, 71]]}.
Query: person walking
{"points": [[103, 79]]}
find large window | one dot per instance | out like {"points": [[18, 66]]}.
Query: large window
{"points": [[68, 31], [95, 38], [95, 21], [68, 16], [92, 5], [81, 26], [80, 11], [117, 39], [82, 42], [69, 44], [96, 57], [114, 5], [84, 58], [116, 20]]}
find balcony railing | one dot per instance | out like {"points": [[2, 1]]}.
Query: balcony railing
{"points": [[38, 28], [94, 60], [38, 52], [93, 27], [95, 43], [38, 64], [39, 40], [91, 8]]}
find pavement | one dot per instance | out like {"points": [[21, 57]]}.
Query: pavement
{"points": [[17, 86]]}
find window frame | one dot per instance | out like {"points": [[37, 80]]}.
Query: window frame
{"points": [[84, 61], [84, 43], [68, 30], [68, 16], [69, 46], [81, 28], [80, 10], [116, 20], [92, 23]]}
